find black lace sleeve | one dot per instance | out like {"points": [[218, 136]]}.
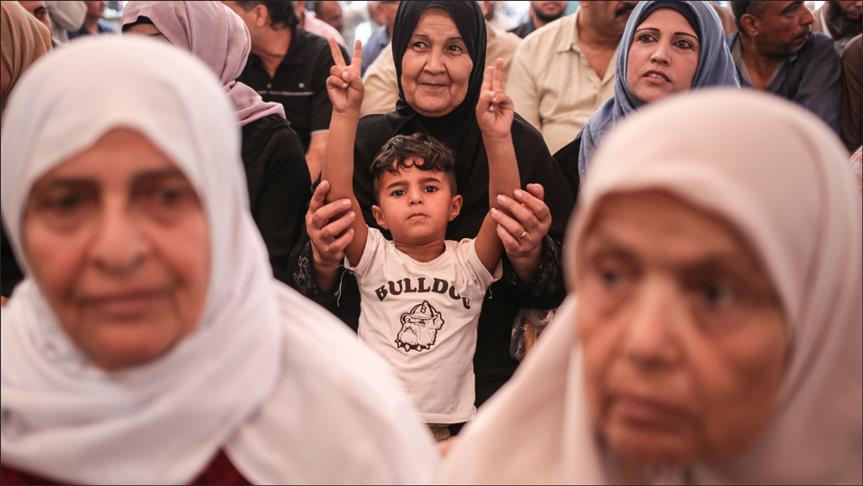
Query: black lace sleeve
{"points": [[547, 290], [305, 282]]}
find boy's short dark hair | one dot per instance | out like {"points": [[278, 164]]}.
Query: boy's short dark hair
{"points": [[395, 154], [282, 12]]}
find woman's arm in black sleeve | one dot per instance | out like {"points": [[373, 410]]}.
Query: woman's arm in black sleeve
{"points": [[536, 165], [567, 161], [279, 188]]}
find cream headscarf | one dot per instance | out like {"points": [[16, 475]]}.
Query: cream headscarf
{"points": [[267, 376], [22, 40], [216, 35], [780, 177]]}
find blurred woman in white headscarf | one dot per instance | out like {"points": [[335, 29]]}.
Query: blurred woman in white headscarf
{"points": [[716, 333], [149, 343]]}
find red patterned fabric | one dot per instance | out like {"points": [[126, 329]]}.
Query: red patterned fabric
{"points": [[220, 472], [13, 476]]}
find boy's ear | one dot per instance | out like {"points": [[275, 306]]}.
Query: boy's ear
{"points": [[455, 207], [379, 216]]}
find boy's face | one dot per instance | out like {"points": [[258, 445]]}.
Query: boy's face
{"points": [[415, 205]]}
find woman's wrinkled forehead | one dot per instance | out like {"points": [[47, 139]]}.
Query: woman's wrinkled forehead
{"points": [[649, 208], [164, 93], [122, 153], [435, 20]]}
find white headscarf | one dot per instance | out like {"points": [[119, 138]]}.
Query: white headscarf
{"points": [[779, 176], [267, 376]]}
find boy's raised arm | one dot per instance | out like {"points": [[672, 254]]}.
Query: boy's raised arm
{"points": [[345, 89], [494, 114]]}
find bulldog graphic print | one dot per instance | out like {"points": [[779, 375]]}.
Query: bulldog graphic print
{"points": [[419, 328]]}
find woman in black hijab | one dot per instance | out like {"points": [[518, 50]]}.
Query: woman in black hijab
{"points": [[455, 125]]}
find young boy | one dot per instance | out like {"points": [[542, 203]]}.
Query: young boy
{"points": [[421, 295]]}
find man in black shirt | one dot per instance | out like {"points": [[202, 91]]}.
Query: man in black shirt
{"points": [[775, 51], [290, 66]]}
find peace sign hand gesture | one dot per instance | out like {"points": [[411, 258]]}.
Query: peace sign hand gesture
{"points": [[345, 85], [494, 110]]}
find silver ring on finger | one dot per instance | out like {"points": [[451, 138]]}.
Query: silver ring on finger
{"points": [[522, 235]]}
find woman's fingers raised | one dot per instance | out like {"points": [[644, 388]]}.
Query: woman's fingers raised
{"points": [[487, 80], [339, 59]]}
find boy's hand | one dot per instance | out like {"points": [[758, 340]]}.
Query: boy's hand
{"points": [[345, 85], [494, 110]]}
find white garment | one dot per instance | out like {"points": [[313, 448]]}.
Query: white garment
{"points": [[267, 376], [66, 16], [503, 19], [353, 14], [422, 318], [784, 186]]}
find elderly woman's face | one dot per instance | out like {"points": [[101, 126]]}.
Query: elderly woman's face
{"points": [[663, 56], [684, 340], [118, 242], [436, 66]]}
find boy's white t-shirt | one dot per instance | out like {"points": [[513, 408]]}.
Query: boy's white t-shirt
{"points": [[422, 317]]}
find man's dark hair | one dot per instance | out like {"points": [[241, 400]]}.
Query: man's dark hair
{"points": [[282, 12], [138, 21], [741, 7], [396, 153]]}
